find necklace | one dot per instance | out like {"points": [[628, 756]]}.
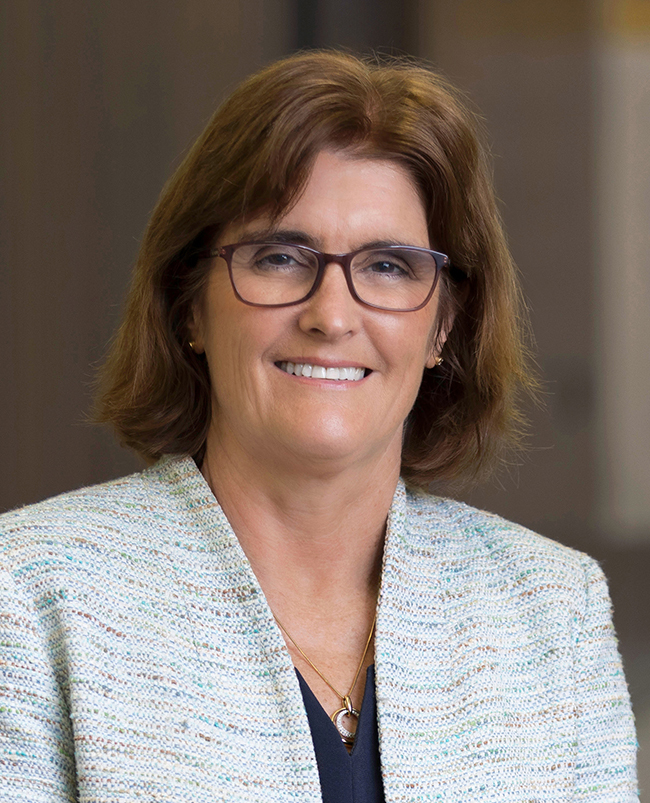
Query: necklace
{"points": [[347, 709]]}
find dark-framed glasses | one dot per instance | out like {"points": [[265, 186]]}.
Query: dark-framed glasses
{"points": [[397, 278]]}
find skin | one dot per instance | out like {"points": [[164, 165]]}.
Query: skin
{"points": [[305, 469]]}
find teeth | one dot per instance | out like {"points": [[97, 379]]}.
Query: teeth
{"points": [[320, 372]]}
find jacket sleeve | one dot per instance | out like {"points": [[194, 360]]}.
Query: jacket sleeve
{"points": [[36, 745], [606, 749]]}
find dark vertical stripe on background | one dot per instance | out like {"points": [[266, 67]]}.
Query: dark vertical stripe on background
{"points": [[364, 26], [306, 23]]}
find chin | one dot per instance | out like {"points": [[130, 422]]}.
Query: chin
{"points": [[318, 447], [334, 444]]}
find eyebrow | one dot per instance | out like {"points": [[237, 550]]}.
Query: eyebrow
{"points": [[302, 238], [280, 236]]}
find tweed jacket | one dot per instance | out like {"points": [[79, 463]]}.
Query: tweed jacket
{"points": [[139, 660]]}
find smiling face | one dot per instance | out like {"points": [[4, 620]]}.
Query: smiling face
{"points": [[328, 380]]}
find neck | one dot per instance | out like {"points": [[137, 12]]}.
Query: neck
{"points": [[313, 537]]}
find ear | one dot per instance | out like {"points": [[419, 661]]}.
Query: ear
{"points": [[196, 340], [433, 359], [438, 339]]}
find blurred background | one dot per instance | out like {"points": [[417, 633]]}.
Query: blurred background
{"points": [[101, 101]]}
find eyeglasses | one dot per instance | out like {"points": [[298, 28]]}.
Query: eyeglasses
{"points": [[397, 278]]}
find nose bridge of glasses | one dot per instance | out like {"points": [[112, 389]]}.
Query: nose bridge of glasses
{"points": [[337, 259], [343, 261]]}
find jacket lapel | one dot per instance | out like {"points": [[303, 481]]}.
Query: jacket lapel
{"points": [[415, 676], [253, 708]]}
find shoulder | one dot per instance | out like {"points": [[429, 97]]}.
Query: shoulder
{"points": [[85, 527], [89, 509], [497, 556]]}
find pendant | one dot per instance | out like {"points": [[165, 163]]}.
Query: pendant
{"points": [[347, 737]]}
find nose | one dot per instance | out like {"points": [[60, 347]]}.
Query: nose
{"points": [[331, 312]]}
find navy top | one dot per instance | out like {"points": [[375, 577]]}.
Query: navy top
{"points": [[346, 777]]}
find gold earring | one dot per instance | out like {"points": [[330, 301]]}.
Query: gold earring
{"points": [[439, 361], [191, 344]]}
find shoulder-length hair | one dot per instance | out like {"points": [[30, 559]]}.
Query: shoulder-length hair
{"points": [[255, 156]]}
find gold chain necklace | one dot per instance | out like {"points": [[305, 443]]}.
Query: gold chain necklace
{"points": [[347, 737]]}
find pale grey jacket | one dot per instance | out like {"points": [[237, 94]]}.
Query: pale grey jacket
{"points": [[139, 659]]}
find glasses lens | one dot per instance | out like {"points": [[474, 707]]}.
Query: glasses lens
{"points": [[394, 278], [273, 273]]}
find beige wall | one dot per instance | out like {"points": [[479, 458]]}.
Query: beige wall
{"points": [[622, 239], [527, 66], [565, 89]]}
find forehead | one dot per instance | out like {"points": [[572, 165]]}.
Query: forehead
{"points": [[350, 200]]}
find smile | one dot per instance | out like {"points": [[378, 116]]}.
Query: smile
{"points": [[350, 374]]}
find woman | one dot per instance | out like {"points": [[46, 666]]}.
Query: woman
{"points": [[323, 304]]}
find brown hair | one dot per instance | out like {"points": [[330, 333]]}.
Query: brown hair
{"points": [[255, 155]]}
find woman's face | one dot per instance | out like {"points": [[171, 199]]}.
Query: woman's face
{"points": [[257, 406]]}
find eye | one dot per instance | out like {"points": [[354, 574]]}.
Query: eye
{"points": [[387, 266], [279, 258], [382, 265], [275, 257]]}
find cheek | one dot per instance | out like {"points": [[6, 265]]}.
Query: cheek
{"points": [[240, 338], [418, 338], [406, 352]]}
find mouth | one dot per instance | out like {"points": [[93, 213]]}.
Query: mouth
{"points": [[341, 374]]}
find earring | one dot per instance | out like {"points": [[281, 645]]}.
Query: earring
{"points": [[191, 344], [439, 361]]}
